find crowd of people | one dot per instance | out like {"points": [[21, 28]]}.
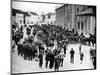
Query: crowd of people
{"points": [[30, 45]]}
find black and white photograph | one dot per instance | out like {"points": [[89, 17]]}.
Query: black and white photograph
{"points": [[52, 37]]}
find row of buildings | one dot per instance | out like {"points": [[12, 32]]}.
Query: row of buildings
{"points": [[49, 18], [20, 17], [81, 18]]}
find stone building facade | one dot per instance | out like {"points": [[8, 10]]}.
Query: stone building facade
{"points": [[49, 18], [85, 19], [81, 18], [65, 16]]}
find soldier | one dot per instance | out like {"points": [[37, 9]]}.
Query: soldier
{"points": [[51, 60], [47, 58], [57, 62], [40, 60], [41, 52]]}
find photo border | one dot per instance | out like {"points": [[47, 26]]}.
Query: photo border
{"points": [[45, 71]]}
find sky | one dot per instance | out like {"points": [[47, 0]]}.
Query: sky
{"points": [[39, 8]]}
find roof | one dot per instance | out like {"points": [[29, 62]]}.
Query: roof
{"points": [[17, 11], [48, 14], [60, 6], [14, 11], [27, 14], [63, 5], [33, 13]]}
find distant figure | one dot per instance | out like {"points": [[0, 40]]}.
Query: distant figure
{"points": [[51, 60], [40, 60], [80, 47], [62, 55], [41, 52], [94, 62], [72, 52], [47, 58], [13, 45], [57, 63], [64, 48], [93, 57], [81, 57]]}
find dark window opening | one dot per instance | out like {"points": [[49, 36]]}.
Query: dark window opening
{"points": [[82, 26], [78, 25], [20, 21], [49, 16], [77, 10]]}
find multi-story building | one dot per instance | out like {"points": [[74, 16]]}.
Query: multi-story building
{"points": [[24, 18], [49, 18], [82, 18], [17, 17], [85, 19], [65, 16], [32, 19]]}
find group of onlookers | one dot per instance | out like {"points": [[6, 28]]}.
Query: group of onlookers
{"points": [[30, 48]]}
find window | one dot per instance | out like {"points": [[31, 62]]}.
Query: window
{"points": [[49, 16], [20, 21], [84, 8], [77, 10], [43, 17], [69, 9], [27, 22], [82, 26], [78, 25]]}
